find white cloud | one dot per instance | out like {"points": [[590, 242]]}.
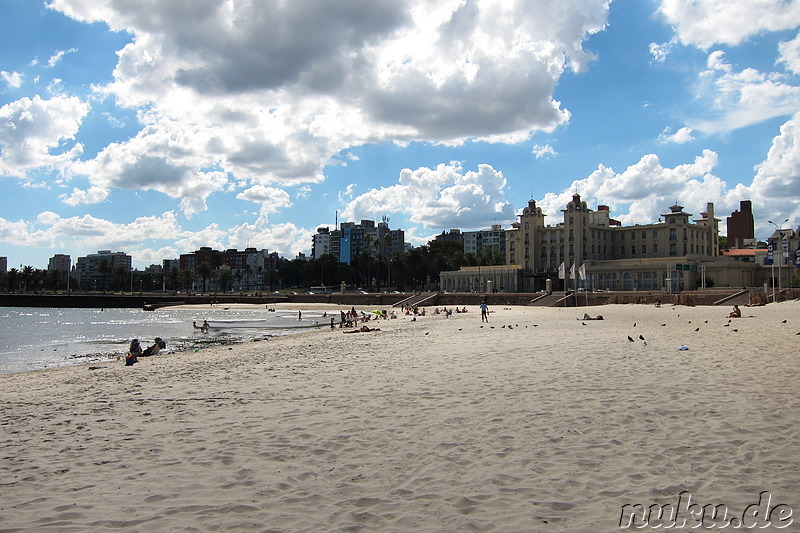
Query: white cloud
{"points": [[270, 198], [776, 185], [444, 197], [285, 238], [93, 195], [790, 54], [219, 82], [660, 51], [704, 23], [741, 98], [55, 58], [13, 79], [645, 189], [35, 134], [88, 232], [543, 152], [683, 135]]}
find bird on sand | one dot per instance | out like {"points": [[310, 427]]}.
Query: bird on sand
{"points": [[697, 329], [630, 339], [641, 338]]}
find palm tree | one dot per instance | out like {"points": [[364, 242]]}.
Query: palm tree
{"points": [[105, 269], [248, 270], [13, 279], [204, 270], [173, 276], [27, 276], [367, 244], [225, 278], [186, 277]]}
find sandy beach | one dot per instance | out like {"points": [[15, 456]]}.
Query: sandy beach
{"points": [[534, 421]]}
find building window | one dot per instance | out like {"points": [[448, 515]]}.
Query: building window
{"points": [[655, 234], [644, 249], [622, 236], [633, 250], [673, 249], [672, 235], [655, 249], [644, 234]]}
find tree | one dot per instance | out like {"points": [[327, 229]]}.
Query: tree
{"points": [[172, 278], [27, 276], [248, 271], [13, 279], [186, 278], [120, 277], [226, 278], [204, 270], [105, 270]]}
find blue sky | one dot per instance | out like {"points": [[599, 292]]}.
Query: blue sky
{"points": [[155, 128]]}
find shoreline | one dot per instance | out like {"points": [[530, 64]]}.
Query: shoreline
{"points": [[535, 421]]}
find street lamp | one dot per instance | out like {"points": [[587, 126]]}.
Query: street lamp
{"points": [[779, 229]]}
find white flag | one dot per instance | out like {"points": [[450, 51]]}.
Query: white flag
{"points": [[561, 272], [582, 271], [572, 271]]}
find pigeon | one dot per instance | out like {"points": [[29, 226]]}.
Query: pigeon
{"points": [[634, 324], [697, 329], [641, 338], [783, 322], [663, 324], [735, 330], [630, 339], [583, 323], [427, 332], [705, 321], [726, 325]]}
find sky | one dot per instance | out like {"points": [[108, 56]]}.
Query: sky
{"points": [[155, 128]]}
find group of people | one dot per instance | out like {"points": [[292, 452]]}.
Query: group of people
{"points": [[204, 328], [135, 350]]}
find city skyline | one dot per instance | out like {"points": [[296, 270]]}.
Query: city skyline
{"points": [[158, 129]]}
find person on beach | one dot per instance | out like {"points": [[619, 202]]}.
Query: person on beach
{"points": [[155, 348], [736, 313], [134, 351], [204, 328], [363, 329], [587, 316], [484, 312]]}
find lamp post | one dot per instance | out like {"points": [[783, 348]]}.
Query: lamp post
{"points": [[779, 229]]}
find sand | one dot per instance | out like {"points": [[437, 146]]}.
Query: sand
{"points": [[534, 422]]}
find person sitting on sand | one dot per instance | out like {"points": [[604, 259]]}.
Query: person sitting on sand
{"points": [[363, 329], [134, 351], [736, 313], [155, 348]]}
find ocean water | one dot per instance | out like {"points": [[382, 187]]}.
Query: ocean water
{"points": [[35, 338]]}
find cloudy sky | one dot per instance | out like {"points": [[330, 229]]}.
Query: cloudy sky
{"points": [[157, 127]]}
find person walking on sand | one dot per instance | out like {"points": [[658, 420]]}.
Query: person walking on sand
{"points": [[484, 312]]}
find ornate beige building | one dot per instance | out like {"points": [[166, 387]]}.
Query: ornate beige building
{"points": [[588, 249]]}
